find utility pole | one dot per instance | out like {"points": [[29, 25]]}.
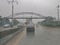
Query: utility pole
{"points": [[58, 12], [12, 3]]}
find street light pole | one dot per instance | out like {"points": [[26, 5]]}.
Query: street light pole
{"points": [[12, 12], [58, 11], [12, 2]]}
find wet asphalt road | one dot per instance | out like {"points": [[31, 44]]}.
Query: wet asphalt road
{"points": [[41, 36]]}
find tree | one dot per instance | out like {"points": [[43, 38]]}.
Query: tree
{"points": [[6, 20], [15, 22], [49, 18], [1, 20]]}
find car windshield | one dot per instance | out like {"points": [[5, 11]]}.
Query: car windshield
{"points": [[29, 22]]}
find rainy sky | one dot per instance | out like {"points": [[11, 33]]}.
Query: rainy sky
{"points": [[44, 7]]}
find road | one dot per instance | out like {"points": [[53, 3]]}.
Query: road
{"points": [[42, 36]]}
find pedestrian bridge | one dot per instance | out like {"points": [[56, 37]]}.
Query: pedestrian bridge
{"points": [[23, 15]]}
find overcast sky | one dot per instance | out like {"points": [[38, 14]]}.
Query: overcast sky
{"points": [[44, 7]]}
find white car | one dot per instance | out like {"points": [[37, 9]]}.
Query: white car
{"points": [[6, 25]]}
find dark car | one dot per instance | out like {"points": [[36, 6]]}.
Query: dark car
{"points": [[30, 28]]}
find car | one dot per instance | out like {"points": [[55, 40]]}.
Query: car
{"points": [[30, 27], [6, 25]]}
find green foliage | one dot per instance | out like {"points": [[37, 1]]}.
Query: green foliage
{"points": [[15, 22], [4, 20], [52, 23]]}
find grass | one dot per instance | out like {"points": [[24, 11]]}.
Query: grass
{"points": [[51, 24], [8, 32]]}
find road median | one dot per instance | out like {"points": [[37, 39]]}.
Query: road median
{"points": [[8, 34]]}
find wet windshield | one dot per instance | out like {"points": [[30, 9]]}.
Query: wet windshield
{"points": [[29, 22]]}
